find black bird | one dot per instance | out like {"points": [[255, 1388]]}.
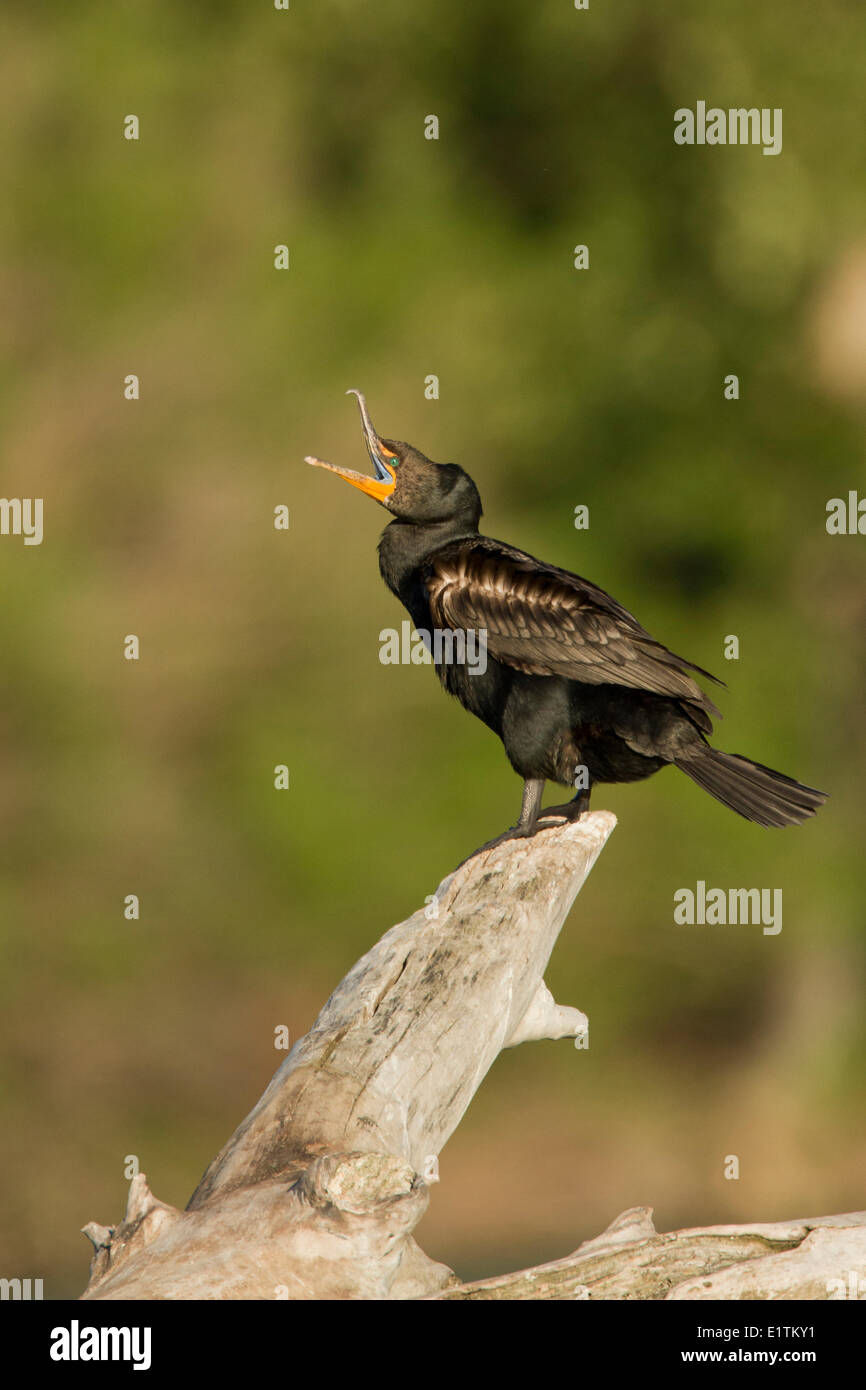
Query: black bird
{"points": [[575, 688]]}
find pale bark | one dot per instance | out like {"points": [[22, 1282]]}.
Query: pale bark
{"points": [[318, 1191], [815, 1258]]}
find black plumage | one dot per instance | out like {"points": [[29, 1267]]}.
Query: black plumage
{"points": [[575, 688]]}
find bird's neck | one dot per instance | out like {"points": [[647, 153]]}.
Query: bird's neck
{"points": [[404, 547]]}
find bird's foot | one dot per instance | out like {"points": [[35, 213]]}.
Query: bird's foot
{"points": [[561, 815], [532, 819], [516, 832], [546, 820]]}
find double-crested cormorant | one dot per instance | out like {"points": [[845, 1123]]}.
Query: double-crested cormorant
{"points": [[575, 688]]}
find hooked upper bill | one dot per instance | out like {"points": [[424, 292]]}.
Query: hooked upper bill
{"points": [[383, 484]]}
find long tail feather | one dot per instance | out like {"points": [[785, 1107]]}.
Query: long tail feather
{"points": [[752, 790]]}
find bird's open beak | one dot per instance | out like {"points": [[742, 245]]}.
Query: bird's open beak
{"points": [[383, 484]]}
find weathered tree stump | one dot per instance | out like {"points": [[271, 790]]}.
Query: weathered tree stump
{"points": [[318, 1191]]}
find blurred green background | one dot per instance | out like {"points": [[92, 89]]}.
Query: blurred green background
{"points": [[557, 387]]}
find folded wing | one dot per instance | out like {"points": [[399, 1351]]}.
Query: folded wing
{"points": [[547, 622]]}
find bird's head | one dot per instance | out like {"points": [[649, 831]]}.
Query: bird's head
{"points": [[411, 486]]}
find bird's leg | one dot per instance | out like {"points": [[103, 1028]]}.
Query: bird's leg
{"points": [[533, 791]]}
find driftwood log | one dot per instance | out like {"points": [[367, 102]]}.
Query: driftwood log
{"points": [[316, 1194]]}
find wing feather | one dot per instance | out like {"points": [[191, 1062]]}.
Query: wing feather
{"points": [[546, 621]]}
